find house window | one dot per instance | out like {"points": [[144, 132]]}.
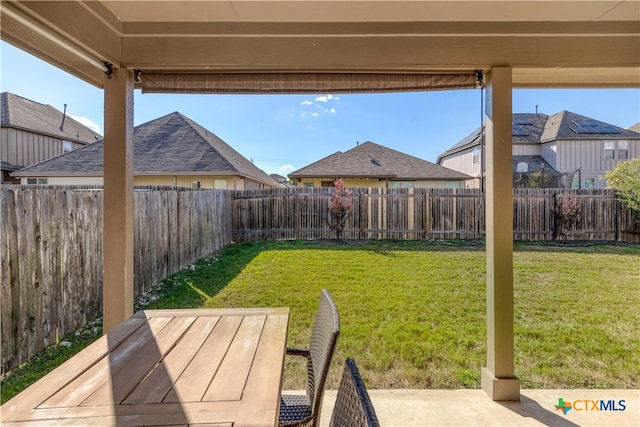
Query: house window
{"points": [[220, 184], [44, 181], [475, 155], [575, 183], [609, 149], [195, 184], [623, 150], [522, 167], [401, 184], [326, 184], [307, 184], [67, 146], [589, 183]]}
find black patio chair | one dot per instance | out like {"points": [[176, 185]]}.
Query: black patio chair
{"points": [[353, 406], [304, 410]]}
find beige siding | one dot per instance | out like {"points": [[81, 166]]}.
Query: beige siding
{"points": [[76, 180], [23, 148], [233, 182], [376, 183], [68, 180], [206, 181], [154, 180], [348, 182]]}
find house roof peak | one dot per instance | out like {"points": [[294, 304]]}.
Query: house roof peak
{"points": [[169, 145]]}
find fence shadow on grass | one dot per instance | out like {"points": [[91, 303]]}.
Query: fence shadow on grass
{"points": [[388, 246], [193, 286], [201, 281]]}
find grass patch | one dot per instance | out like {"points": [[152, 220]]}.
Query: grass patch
{"points": [[48, 359], [413, 313]]}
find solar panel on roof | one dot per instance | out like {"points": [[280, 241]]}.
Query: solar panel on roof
{"points": [[586, 126], [522, 121], [516, 130]]}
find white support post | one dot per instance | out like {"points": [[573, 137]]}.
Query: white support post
{"points": [[498, 378]]}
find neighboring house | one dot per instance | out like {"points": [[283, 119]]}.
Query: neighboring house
{"points": [[31, 132], [636, 127], [172, 150], [281, 179], [574, 150], [373, 165]]}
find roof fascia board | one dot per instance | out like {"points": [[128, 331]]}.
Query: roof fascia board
{"points": [[51, 135]]}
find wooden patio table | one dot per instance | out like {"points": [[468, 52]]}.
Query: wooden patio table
{"points": [[220, 367]]}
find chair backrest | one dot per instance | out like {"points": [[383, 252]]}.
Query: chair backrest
{"points": [[326, 328], [353, 406]]}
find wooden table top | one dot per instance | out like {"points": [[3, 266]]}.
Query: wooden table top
{"points": [[167, 367]]}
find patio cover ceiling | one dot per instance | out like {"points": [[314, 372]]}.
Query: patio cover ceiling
{"points": [[547, 43]]}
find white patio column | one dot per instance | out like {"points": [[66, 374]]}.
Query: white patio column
{"points": [[118, 198], [498, 378]]}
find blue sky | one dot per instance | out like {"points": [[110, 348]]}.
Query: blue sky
{"points": [[281, 133]]}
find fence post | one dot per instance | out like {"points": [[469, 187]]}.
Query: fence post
{"points": [[617, 218], [555, 217], [296, 215], [427, 212], [362, 213]]}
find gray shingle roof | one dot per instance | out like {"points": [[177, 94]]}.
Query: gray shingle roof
{"points": [[526, 129], [530, 128], [534, 163], [23, 113], [562, 125], [371, 160], [172, 144]]}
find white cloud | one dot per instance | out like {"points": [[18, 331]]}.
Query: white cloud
{"points": [[88, 123], [285, 168], [327, 98], [320, 108]]}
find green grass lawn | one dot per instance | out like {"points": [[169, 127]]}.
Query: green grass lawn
{"points": [[413, 313]]}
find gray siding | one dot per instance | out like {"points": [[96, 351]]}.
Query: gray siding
{"points": [[549, 152], [526, 150], [23, 148], [588, 155], [462, 161]]}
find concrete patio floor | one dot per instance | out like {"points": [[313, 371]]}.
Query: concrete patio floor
{"points": [[474, 408]]}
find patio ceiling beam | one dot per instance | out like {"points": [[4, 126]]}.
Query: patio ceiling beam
{"points": [[563, 44], [379, 52]]}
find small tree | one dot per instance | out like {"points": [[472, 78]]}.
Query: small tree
{"points": [[538, 179], [567, 214], [339, 208], [626, 179]]}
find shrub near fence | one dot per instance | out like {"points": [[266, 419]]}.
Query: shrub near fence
{"points": [[51, 254], [378, 213]]}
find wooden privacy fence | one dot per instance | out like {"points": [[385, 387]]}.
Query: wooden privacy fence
{"points": [[378, 213], [51, 254]]}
